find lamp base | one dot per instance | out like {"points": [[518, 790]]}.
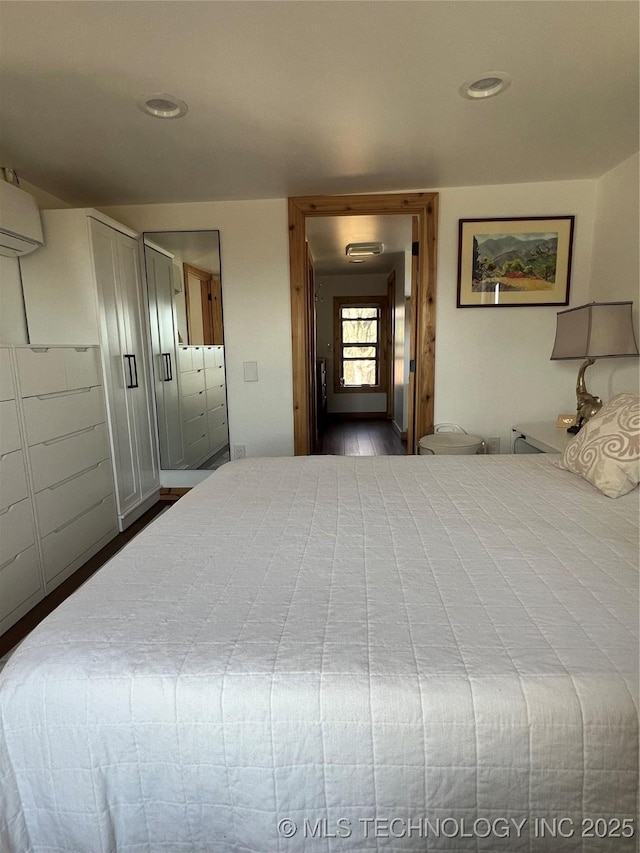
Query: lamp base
{"points": [[587, 404]]}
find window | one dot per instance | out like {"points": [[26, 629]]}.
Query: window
{"points": [[360, 343]]}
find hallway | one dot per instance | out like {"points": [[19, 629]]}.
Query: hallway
{"points": [[361, 438]]}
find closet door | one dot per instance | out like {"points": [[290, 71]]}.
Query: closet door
{"points": [[134, 312], [165, 368], [118, 367]]}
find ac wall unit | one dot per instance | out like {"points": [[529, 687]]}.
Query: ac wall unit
{"points": [[20, 225]]}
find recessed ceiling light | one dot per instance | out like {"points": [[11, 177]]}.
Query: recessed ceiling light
{"points": [[163, 106], [486, 85]]}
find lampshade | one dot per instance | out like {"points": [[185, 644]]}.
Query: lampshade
{"points": [[597, 330]]}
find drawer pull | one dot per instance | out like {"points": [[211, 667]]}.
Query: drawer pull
{"points": [[74, 476], [10, 507], [69, 435], [62, 393], [81, 349], [14, 558], [39, 349], [79, 515]]}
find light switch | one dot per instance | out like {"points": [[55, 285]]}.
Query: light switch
{"points": [[250, 371]]}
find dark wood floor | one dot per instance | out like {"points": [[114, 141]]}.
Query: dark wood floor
{"points": [[361, 438]]}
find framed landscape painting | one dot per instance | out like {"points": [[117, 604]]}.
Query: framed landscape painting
{"points": [[514, 262]]}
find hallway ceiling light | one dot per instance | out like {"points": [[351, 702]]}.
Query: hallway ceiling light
{"points": [[486, 85], [363, 250], [163, 106]]}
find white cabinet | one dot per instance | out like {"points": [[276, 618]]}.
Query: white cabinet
{"points": [[84, 287], [21, 584], [203, 401], [164, 334], [57, 506]]}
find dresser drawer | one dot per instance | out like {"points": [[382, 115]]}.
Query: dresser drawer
{"points": [[217, 417], [214, 356], [191, 383], [197, 450], [19, 580], [58, 504], [16, 530], [185, 359], [195, 428], [51, 416], [218, 438], [13, 479], [193, 405], [60, 458], [190, 358], [9, 431], [43, 370], [214, 377], [66, 544], [216, 397], [7, 391]]}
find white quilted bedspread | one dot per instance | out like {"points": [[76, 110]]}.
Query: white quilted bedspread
{"points": [[339, 654]]}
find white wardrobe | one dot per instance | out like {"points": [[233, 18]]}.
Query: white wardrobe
{"points": [[84, 287]]}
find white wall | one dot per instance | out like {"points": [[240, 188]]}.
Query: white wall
{"points": [[615, 268], [257, 312], [345, 285], [13, 325], [492, 364]]}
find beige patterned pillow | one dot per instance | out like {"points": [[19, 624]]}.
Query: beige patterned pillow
{"points": [[606, 451]]}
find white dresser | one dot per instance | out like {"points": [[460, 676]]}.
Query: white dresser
{"points": [[84, 286], [203, 401], [57, 506]]}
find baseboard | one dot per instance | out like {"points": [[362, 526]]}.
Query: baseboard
{"points": [[402, 434], [134, 514]]}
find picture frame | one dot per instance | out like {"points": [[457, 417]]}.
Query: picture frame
{"points": [[514, 262]]}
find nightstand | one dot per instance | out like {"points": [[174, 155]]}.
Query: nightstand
{"points": [[541, 437]]}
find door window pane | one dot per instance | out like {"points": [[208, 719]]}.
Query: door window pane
{"points": [[359, 352], [360, 372]]}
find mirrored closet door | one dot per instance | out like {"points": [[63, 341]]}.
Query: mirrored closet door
{"points": [[187, 338]]}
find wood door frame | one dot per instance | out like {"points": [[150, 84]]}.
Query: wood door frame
{"points": [[423, 206], [391, 343]]}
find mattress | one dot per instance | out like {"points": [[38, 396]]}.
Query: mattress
{"points": [[340, 654]]}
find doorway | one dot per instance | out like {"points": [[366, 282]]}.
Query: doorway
{"points": [[423, 207], [204, 306]]}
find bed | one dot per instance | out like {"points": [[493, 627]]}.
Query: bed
{"points": [[341, 654]]}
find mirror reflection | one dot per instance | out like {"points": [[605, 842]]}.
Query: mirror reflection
{"points": [[187, 337]]}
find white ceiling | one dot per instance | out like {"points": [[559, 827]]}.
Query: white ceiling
{"points": [[308, 97], [328, 237], [199, 248]]}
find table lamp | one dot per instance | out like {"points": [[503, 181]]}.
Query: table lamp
{"points": [[596, 330]]}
